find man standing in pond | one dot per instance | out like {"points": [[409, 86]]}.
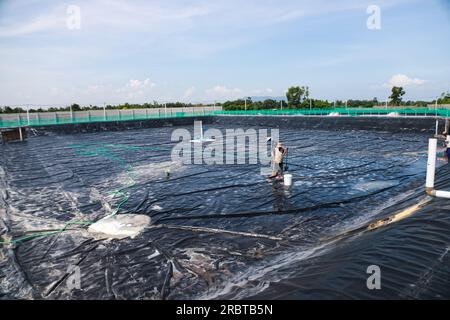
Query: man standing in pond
{"points": [[278, 154]]}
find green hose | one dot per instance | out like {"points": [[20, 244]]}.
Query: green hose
{"points": [[94, 151], [46, 234]]}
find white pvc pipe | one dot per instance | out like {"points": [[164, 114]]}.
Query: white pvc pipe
{"points": [[201, 130], [431, 169], [442, 194], [431, 165]]}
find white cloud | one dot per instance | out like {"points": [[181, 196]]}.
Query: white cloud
{"points": [[100, 15], [401, 80], [292, 15], [266, 91], [136, 88], [139, 85], [39, 24], [55, 92], [222, 92], [138, 91], [225, 93], [189, 93], [159, 18]]}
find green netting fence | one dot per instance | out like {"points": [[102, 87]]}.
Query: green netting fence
{"points": [[424, 112], [59, 118]]}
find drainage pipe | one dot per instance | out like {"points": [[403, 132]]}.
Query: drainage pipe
{"points": [[431, 172]]}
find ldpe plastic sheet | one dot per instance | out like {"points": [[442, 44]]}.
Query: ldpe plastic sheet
{"points": [[282, 243]]}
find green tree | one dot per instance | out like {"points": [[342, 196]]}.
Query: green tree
{"points": [[269, 104], [321, 104], [296, 96], [396, 96], [445, 98], [76, 107]]}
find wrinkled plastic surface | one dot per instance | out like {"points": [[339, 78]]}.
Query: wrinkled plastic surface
{"points": [[342, 181]]}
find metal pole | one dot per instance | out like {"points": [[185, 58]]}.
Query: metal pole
{"points": [[310, 105], [245, 104], [71, 114], [28, 116], [104, 111], [165, 110]]}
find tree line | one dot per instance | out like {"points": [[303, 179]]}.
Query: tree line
{"points": [[297, 97], [76, 107]]}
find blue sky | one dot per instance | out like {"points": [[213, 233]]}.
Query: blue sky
{"points": [[206, 50]]}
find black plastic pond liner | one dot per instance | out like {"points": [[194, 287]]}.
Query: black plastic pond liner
{"points": [[311, 240], [413, 256]]}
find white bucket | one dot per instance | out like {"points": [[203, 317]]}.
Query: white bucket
{"points": [[288, 180]]}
